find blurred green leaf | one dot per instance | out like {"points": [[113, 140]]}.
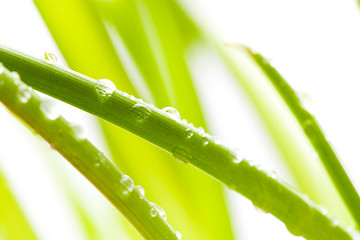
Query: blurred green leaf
{"points": [[13, 223]]}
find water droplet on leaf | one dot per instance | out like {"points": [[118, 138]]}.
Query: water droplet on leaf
{"points": [[49, 109], [156, 209], [128, 184], [78, 131], [141, 191], [182, 155], [141, 111], [104, 89], [172, 112], [237, 157], [178, 235], [24, 93], [188, 133]]}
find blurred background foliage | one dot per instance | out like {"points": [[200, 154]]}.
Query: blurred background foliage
{"points": [[144, 47]]}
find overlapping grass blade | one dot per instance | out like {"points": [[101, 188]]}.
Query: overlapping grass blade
{"points": [[184, 189], [300, 156], [316, 136], [269, 193], [115, 186]]}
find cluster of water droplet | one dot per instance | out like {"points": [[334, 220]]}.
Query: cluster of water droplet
{"points": [[24, 93]]}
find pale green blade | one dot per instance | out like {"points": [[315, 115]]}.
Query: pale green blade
{"points": [[293, 144], [118, 188], [316, 136], [168, 185], [13, 222]]}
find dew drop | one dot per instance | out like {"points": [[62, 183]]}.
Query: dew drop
{"points": [[153, 212], [201, 131], [101, 158], [128, 184], [172, 112], [156, 209], [97, 164], [49, 109], [273, 174], [178, 235], [181, 155], [188, 133], [24, 93], [50, 57], [104, 89], [323, 210], [217, 140], [141, 111], [78, 131], [16, 78], [141, 191], [204, 141], [237, 157]]}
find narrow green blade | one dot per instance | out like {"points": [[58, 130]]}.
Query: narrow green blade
{"points": [[316, 136], [13, 223], [169, 186]]}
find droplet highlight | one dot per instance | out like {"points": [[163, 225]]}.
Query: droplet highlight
{"points": [[50, 57], [78, 131], [189, 133], [24, 93], [237, 156], [156, 209], [128, 183], [181, 155], [172, 112], [178, 235], [141, 191], [104, 89], [141, 112], [49, 109], [204, 141]]}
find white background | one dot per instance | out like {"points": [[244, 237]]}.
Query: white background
{"points": [[313, 43]]}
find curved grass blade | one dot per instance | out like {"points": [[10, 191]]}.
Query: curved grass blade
{"points": [[293, 144], [85, 157], [316, 136], [11, 216], [300, 215], [183, 188]]}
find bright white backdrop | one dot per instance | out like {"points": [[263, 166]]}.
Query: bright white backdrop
{"points": [[313, 43]]}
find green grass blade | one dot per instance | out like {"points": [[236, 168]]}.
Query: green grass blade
{"points": [[158, 38], [300, 216], [293, 144], [85, 157], [316, 136], [183, 188], [11, 216]]}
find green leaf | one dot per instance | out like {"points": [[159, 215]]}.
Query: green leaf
{"points": [[86, 158], [12, 217], [300, 215], [184, 189], [293, 144], [316, 136]]}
